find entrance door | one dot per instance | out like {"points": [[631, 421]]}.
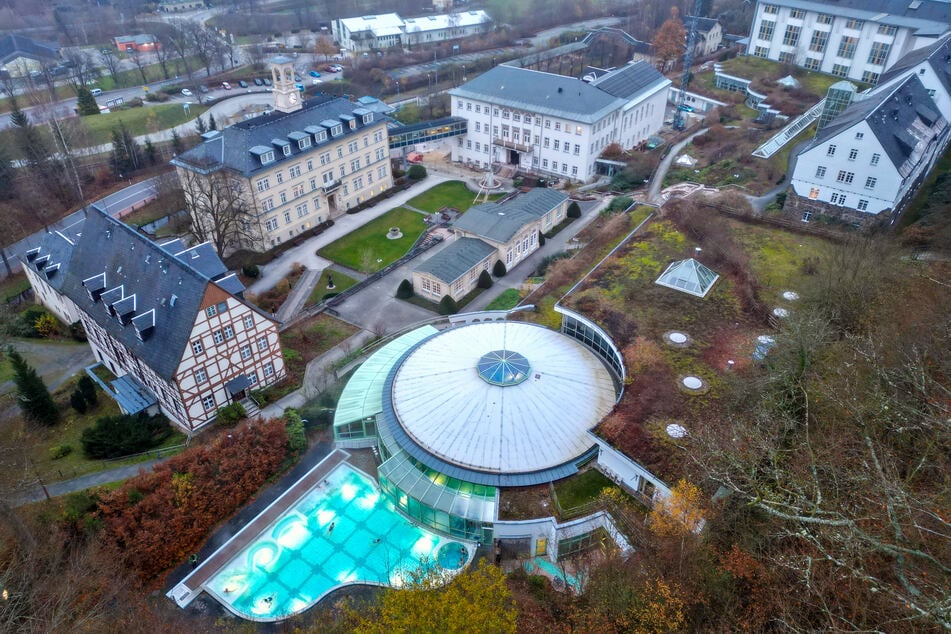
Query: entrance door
{"points": [[513, 157]]}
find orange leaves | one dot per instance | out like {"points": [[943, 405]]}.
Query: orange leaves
{"points": [[678, 513]]}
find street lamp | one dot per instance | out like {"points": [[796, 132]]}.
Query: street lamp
{"points": [[397, 89]]}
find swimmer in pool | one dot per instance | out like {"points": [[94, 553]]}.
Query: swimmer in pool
{"points": [[330, 529], [377, 540]]}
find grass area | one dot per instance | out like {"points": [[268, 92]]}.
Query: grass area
{"points": [[506, 300], [750, 67], [13, 286], [139, 121], [581, 489], [777, 257], [304, 342], [6, 370], [367, 249], [449, 194], [341, 283], [780, 160]]}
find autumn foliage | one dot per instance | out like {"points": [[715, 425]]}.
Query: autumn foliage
{"points": [[157, 519]]}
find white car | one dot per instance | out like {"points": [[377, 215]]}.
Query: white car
{"points": [[186, 92]]}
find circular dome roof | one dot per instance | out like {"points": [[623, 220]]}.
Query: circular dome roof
{"points": [[502, 397]]}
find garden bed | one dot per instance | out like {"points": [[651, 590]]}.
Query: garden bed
{"points": [[304, 342]]}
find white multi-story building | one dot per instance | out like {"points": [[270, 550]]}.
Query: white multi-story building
{"points": [[853, 39], [388, 30], [865, 165], [555, 125]]}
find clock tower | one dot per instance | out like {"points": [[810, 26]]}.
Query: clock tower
{"points": [[286, 95]]}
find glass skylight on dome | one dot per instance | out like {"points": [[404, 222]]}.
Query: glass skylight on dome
{"points": [[503, 368]]}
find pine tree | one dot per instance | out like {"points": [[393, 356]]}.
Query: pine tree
{"points": [[498, 269], [177, 146], [78, 402], [200, 125], [34, 398], [212, 124], [7, 174], [88, 388], [150, 152], [86, 103]]}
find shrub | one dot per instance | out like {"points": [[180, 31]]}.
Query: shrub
{"points": [[78, 401], [541, 239], [60, 451], [498, 269], [485, 280], [416, 172], [229, 415], [574, 210], [115, 436], [88, 387], [404, 290], [25, 324], [251, 270], [296, 438], [448, 306], [619, 204]]}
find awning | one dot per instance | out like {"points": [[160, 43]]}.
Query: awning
{"points": [[237, 384]]}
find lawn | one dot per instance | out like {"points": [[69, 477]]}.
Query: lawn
{"points": [[368, 250], [583, 488], [506, 300], [139, 121], [449, 194], [341, 283]]}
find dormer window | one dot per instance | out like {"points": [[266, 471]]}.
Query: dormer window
{"points": [[303, 143], [353, 124], [144, 324], [321, 136], [286, 149], [337, 130], [368, 118], [264, 154], [267, 157]]}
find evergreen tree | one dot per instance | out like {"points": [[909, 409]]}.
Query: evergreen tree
{"points": [[88, 388], [541, 239], [574, 210], [150, 152], [35, 148], [405, 290], [7, 173], [126, 153], [448, 306], [212, 124], [485, 280], [499, 269], [78, 402], [34, 398], [177, 146], [200, 125], [86, 103]]}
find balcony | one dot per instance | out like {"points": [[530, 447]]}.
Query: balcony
{"points": [[511, 145], [332, 186]]}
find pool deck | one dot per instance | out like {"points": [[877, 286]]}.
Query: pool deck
{"points": [[191, 586]]}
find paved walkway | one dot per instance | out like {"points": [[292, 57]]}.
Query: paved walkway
{"points": [[55, 489], [657, 181]]}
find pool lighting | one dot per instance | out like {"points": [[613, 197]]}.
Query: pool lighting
{"points": [[368, 501], [348, 492], [293, 536], [325, 517], [423, 546]]}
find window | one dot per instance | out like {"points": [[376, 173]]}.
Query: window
{"points": [[268, 369], [310, 165], [760, 51], [245, 352], [574, 172], [837, 199], [208, 402], [847, 46], [797, 14], [823, 18], [886, 29], [875, 159], [818, 42], [302, 210], [557, 145], [863, 205], [287, 217], [812, 63], [298, 190], [770, 8], [200, 375], [791, 37], [859, 136], [211, 311], [879, 53], [283, 197], [304, 143], [853, 154], [845, 177], [197, 348], [854, 24], [766, 28], [870, 182], [248, 321], [229, 332], [286, 149], [577, 150], [831, 150], [516, 117], [821, 171], [294, 171], [787, 58], [325, 158], [253, 378], [263, 184], [841, 70], [267, 157], [280, 177], [271, 224], [557, 126], [806, 216], [262, 343], [218, 336]]}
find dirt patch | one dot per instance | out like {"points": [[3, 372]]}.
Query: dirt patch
{"points": [[525, 503]]}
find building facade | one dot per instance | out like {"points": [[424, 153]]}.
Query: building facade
{"points": [[143, 43], [287, 171], [709, 35], [389, 30], [506, 232], [553, 125], [167, 320], [865, 165], [852, 39], [21, 55]]}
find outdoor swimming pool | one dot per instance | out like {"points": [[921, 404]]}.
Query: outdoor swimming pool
{"points": [[342, 532]]}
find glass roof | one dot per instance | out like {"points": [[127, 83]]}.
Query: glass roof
{"points": [[503, 368]]}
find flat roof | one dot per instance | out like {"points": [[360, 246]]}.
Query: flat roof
{"points": [[450, 412]]}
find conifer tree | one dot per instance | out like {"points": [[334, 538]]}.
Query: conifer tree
{"points": [[34, 398], [86, 103]]}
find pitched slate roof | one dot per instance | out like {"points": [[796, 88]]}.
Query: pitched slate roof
{"points": [[889, 113], [499, 222], [53, 255], [938, 55], [546, 93], [162, 291], [456, 259], [629, 81], [13, 46], [232, 148], [704, 25]]}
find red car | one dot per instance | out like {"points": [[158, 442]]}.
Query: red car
{"points": [[226, 85]]}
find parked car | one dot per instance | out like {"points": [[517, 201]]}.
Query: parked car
{"points": [[243, 83], [316, 81], [314, 73], [337, 68], [95, 92], [267, 82], [186, 92], [203, 89], [258, 82], [226, 85]]}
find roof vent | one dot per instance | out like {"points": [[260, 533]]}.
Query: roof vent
{"points": [[172, 300]]}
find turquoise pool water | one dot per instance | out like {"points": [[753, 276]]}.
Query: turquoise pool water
{"points": [[344, 531], [555, 572]]}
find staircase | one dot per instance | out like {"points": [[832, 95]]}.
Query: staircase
{"points": [[250, 407]]}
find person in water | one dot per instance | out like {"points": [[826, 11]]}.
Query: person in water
{"points": [[330, 529]]}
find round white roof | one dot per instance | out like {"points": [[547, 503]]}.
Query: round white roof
{"points": [[468, 419]]}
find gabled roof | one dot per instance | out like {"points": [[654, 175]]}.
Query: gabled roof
{"points": [[238, 147], [13, 46], [704, 25], [631, 80], [499, 222], [456, 259], [156, 292], [53, 255], [889, 113], [688, 276], [938, 56]]}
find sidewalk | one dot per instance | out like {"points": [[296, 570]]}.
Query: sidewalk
{"points": [[99, 478]]}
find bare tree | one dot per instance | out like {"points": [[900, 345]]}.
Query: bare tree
{"points": [[138, 59], [83, 70], [111, 62], [220, 211]]}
